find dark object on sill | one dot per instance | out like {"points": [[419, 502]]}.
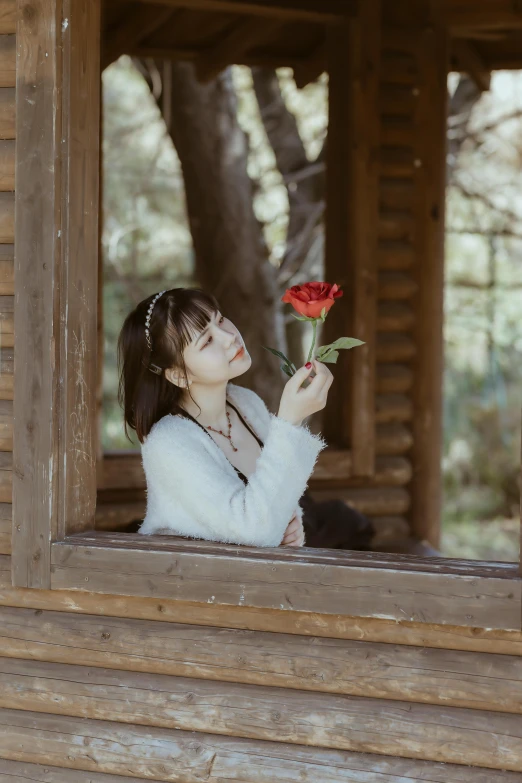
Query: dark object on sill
{"points": [[328, 524], [331, 524]]}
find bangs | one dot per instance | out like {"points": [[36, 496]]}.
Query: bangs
{"points": [[195, 314]]}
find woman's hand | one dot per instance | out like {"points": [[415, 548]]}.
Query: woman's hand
{"points": [[294, 533]]}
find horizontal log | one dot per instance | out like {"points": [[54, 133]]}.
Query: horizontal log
{"points": [[6, 425], [393, 438], [387, 528], [99, 746], [397, 132], [482, 14], [398, 67], [372, 501], [7, 164], [392, 408], [394, 256], [390, 470], [5, 529], [118, 516], [398, 99], [394, 317], [7, 113], [7, 60], [125, 471], [393, 378], [395, 193], [475, 737], [6, 270], [349, 667], [6, 373], [376, 629], [7, 17], [394, 347], [398, 38], [6, 477], [397, 161], [328, 11], [396, 285], [433, 589], [398, 225], [7, 212], [7, 321]]}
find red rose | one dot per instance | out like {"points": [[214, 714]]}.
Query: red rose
{"points": [[310, 298]]}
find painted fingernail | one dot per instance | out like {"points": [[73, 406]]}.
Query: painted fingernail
{"points": [[308, 365]]}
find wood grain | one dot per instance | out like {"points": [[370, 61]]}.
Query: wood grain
{"points": [[358, 668], [106, 746], [344, 626], [365, 725], [435, 590]]}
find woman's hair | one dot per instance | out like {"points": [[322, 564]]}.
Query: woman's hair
{"points": [[176, 317]]}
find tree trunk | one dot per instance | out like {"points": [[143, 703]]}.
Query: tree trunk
{"points": [[231, 258]]}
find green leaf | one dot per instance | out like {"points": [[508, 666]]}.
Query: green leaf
{"points": [[291, 366], [341, 343], [330, 358], [323, 314], [277, 353], [286, 369]]}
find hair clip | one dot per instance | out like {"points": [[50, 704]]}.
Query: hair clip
{"points": [[147, 319], [155, 369]]}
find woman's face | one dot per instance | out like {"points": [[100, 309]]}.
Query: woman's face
{"points": [[209, 358]]}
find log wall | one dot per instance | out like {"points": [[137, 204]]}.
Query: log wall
{"points": [[7, 215], [91, 690]]}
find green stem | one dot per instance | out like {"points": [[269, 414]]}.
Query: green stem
{"points": [[311, 353]]}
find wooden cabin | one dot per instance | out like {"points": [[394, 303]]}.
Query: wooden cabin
{"points": [[128, 658]]}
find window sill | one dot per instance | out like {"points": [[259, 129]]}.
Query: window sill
{"points": [[323, 581]]}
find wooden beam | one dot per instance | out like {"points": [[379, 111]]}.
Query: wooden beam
{"points": [[461, 15], [54, 477], [321, 11], [138, 23], [162, 754], [445, 590], [487, 681], [36, 261], [427, 300], [232, 45], [190, 54], [351, 238], [357, 723], [466, 58]]}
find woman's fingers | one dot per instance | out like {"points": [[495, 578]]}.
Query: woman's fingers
{"points": [[294, 534]]}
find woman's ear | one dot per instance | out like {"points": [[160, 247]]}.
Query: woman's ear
{"points": [[176, 377]]}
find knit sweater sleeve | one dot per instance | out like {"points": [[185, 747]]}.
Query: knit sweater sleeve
{"points": [[256, 513]]}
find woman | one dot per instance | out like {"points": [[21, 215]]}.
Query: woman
{"points": [[219, 466]]}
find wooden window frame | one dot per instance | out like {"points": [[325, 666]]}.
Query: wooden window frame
{"points": [[54, 544]]}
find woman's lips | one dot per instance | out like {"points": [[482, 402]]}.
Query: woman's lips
{"points": [[239, 353]]}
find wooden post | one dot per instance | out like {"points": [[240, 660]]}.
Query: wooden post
{"points": [[351, 229], [56, 237], [430, 119]]}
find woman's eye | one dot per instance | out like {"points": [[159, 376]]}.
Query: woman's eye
{"points": [[210, 338]]}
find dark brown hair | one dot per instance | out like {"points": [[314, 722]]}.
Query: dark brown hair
{"points": [[178, 315]]}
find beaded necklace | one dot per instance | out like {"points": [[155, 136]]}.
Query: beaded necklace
{"points": [[220, 432]]}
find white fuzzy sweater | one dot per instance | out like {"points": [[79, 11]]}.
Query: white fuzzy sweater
{"points": [[193, 490]]}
